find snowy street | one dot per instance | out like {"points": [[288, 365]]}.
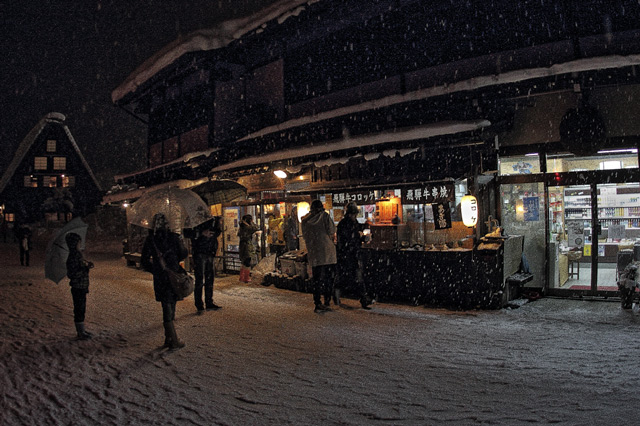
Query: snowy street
{"points": [[267, 358]]}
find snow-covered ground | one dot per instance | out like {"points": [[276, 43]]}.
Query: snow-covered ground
{"points": [[266, 358]]}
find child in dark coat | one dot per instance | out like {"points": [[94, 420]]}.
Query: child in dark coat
{"points": [[78, 273]]}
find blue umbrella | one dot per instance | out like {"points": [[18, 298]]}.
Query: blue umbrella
{"points": [[55, 261]]}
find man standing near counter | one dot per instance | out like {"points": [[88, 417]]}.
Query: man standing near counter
{"points": [[319, 233], [350, 237]]}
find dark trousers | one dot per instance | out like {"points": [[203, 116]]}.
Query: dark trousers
{"points": [[323, 281], [168, 311], [204, 272], [24, 256], [79, 296]]}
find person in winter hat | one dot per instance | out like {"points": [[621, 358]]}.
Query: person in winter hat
{"points": [[350, 237], [161, 242], [205, 246], [78, 273], [247, 248], [319, 232]]}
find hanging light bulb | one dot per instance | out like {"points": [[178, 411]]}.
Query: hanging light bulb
{"points": [[280, 173], [469, 210]]}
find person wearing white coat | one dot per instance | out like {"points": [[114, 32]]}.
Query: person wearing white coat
{"points": [[319, 232]]}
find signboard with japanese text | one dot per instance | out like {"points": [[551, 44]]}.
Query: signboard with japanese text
{"points": [[531, 209], [339, 199], [441, 215], [429, 193]]}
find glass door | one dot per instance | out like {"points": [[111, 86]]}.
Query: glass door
{"points": [[569, 247], [618, 225], [523, 207]]}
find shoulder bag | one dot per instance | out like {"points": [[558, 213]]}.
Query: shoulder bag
{"points": [[181, 282]]}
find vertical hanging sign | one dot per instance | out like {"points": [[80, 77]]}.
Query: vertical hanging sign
{"points": [[441, 215]]}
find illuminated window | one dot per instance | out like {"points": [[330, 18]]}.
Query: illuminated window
{"points": [[40, 163], [30, 181], [610, 165], [68, 181], [59, 163], [50, 181], [9, 217], [51, 145]]}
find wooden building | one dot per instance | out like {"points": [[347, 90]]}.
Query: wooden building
{"points": [[527, 105], [48, 177]]}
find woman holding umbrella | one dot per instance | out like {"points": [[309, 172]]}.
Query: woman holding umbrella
{"points": [[164, 244]]}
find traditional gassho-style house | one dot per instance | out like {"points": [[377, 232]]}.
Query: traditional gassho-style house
{"points": [[531, 106], [48, 177]]}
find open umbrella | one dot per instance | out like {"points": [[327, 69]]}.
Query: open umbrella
{"points": [[55, 261], [183, 208], [220, 191]]}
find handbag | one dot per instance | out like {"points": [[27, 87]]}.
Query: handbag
{"points": [[181, 282]]}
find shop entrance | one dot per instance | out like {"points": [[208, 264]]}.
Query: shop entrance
{"points": [[592, 233]]}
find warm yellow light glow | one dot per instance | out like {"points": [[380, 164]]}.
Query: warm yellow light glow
{"points": [[125, 204], [303, 209], [519, 210], [469, 210], [280, 173]]}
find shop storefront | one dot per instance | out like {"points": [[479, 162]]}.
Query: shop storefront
{"points": [[579, 214], [420, 251]]}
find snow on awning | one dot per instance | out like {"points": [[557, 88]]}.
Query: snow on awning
{"points": [[184, 159], [134, 194], [397, 135]]}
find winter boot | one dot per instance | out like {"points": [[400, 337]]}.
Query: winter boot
{"points": [[174, 342], [336, 296], [82, 333]]}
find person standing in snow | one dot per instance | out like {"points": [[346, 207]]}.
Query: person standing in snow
{"points": [[78, 273], [24, 240], [292, 229], [161, 242], [349, 241], [205, 247], [319, 233], [247, 248]]}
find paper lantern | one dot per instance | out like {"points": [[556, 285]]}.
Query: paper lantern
{"points": [[469, 210]]}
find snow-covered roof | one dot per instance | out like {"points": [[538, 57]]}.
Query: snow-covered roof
{"points": [[208, 39], [397, 135], [184, 159], [575, 66], [27, 142]]}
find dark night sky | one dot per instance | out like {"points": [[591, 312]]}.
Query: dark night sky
{"points": [[67, 56]]}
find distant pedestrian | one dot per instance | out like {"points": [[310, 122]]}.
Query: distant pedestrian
{"points": [[24, 241], [205, 246], [248, 251], [4, 229], [162, 243], [319, 233], [292, 230], [350, 237], [78, 273]]}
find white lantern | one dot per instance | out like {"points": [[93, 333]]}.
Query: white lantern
{"points": [[469, 210]]}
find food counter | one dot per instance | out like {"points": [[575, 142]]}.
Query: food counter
{"points": [[453, 278]]}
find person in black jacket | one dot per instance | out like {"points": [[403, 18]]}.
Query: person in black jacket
{"points": [[24, 240], [78, 273], [205, 246], [161, 242], [349, 242]]}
